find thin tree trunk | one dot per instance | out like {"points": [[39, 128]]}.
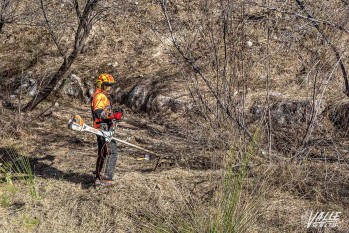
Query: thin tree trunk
{"points": [[267, 86], [1, 26]]}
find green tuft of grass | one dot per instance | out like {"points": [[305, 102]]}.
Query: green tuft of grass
{"points": [[5, 200], [238, 209], [19, 168], [29, 222], [9, 190]]}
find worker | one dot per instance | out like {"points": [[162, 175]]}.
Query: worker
{"points": [[103, 119]]}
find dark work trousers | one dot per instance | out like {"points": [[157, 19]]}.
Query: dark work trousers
{"points": [[106, 161]]}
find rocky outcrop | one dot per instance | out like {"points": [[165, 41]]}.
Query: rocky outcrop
{"points": [[26, 85], [161, 103], [142, 98], [136, 99], [292, 121], [286, 112], [74, 88]]}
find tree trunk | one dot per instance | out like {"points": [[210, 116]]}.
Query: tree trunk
{"points": [[44, 93], [1, 26]]}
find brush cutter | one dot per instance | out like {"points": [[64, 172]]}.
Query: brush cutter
{"points": [[77, 123]]}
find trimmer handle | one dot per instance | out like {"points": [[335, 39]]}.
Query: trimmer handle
{"points": [[76, 123]]}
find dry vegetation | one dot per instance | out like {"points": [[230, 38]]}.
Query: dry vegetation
{"points": [[260, 140]]}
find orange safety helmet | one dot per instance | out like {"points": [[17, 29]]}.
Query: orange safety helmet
{"points": [[104, 80]]}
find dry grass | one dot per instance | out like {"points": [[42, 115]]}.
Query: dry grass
{"points": [[140, 199], [132, 43]]}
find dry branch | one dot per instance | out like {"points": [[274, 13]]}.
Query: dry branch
{"points": [[55, 40], [333, 47], [192, 63], [81, 35], [305, 17]]}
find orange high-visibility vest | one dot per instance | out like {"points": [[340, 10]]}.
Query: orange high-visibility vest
{"points": [[99, 100]]}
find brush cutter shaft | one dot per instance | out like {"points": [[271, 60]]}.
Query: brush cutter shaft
{"points": [[135, 146], [106, 134]]}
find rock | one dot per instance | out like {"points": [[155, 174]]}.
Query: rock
{"points": [[288, 112], [290, 119], [73, 87], [262, 77], [177, 105], [161, 103], [140, 98], [8, 105], [113, 64], [90, 92], [32, 88], [150, 102], [89, 88], [257, 110], [276, 94], [26, 85], [137, 97]]}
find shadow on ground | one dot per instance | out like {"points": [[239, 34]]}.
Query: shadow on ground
{"points": [[42, 167], [48, 171]]}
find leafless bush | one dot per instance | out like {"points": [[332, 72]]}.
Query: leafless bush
{"points": [[234, 49], [8, 12], [80, 30]]}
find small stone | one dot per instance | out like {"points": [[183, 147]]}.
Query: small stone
{"points": [[276, 94], [113, 64], [257, 110], [263, 77]]}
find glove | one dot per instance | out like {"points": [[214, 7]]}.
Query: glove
{"points": [[118, 115]]}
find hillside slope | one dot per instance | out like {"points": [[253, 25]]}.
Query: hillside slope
{"points": [[243, 102]]}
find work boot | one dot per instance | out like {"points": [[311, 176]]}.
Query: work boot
{"points": [[103, 177], [103, 183]]}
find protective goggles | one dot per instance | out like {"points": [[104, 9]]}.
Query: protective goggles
{"points": [[108, 84]]}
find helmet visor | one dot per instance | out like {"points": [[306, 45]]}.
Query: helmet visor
{"points": [[108, 84]]}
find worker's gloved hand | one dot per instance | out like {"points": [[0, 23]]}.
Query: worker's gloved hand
{"points": [[118, 115]]}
